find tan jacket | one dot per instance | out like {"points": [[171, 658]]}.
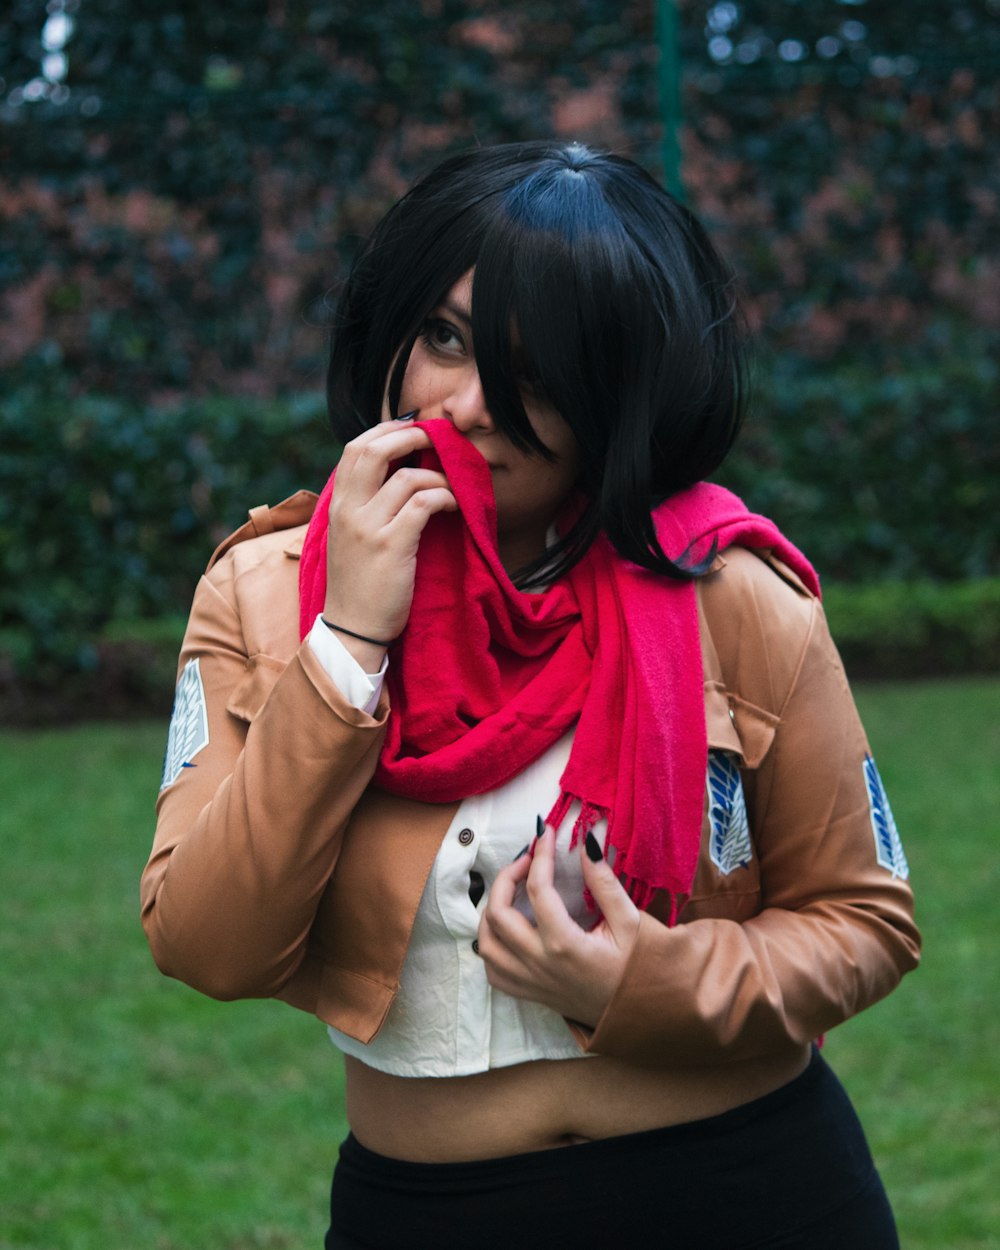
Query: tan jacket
{"points": [[278, 870]]}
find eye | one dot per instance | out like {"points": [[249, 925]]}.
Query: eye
{"points": [[528, 381], [442, 337]]}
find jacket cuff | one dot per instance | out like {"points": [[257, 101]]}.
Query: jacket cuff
{"points": [[334, 698], [361, 689], [626, 1029]]}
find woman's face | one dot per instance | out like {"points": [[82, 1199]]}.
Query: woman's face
{"points": [[442, 381]]}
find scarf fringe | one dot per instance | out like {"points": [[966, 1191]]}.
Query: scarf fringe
{"points": [[589, 815], [559, 810], [640, 892]]}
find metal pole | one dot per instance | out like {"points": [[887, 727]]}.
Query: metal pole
{"points": [[670, 94]]}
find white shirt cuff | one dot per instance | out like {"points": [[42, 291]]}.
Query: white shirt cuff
{"points": [[360, 689]]}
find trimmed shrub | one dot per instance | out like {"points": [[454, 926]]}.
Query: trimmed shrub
{"points": [[880, 473], [916, 629], [110, 512]]}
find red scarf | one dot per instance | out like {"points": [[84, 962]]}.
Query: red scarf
{"points": [[486, 678]]}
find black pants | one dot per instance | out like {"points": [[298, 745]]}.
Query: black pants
{"points": [[789, 1171]]}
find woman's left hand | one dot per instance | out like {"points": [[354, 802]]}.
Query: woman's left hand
{"points": [[555, 962]]}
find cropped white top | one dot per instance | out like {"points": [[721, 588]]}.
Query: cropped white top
{"points": [[447, 1020]]}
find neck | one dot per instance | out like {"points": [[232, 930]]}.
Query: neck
{"points": [[516, 551]]}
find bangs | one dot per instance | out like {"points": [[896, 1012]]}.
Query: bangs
{"points": [[556, 303], [422, 285]]}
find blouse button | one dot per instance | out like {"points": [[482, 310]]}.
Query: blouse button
{"points": [[475, 946], [466, 836]]}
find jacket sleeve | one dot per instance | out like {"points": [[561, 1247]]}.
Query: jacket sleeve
{"points": [[249, 829], [833, 932]]}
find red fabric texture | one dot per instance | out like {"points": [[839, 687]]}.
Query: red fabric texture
{"points": [[486, 678]]}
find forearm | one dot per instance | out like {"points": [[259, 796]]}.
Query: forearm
{"points": [[717, 991]]}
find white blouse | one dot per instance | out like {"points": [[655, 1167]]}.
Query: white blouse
{"points": [[446, 1019]]}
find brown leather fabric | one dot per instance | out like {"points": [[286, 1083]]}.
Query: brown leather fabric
{"points": [[277, 870]]}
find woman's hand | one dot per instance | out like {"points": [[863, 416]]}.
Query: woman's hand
{"points": [[375, 527], [555, 962]]}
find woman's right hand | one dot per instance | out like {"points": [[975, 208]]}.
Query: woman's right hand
{"points": [[375, 523]]}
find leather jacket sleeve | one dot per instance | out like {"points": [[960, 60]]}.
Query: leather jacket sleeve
{"points": [[831, 931], [249, 831]]}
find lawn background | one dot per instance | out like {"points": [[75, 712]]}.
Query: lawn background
{"points": [[134, 1113]]}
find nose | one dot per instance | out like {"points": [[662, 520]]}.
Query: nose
{"points": [[465, 405]]}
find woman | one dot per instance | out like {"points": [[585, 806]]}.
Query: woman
{"points": [[437, 766]]}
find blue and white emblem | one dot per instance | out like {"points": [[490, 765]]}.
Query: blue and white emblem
{"points": [[188, 724], [888, 847], [729, 829]]}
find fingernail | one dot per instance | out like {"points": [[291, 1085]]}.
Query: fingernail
{"points": [[539, 826], [407, 416], [522, 851], [592, 848]]}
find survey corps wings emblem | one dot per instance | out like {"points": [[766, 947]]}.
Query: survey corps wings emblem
{"points": [[188, 724], [729, 828], [888, 847]]}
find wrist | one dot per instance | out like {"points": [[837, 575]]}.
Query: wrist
{"points": [[351, 633], [368, 652]]}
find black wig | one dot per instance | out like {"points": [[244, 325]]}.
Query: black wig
{"points": [[591, 280]]}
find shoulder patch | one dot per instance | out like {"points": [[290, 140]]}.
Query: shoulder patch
{"points": [[729, 829], [888, 847], [188, 732]]}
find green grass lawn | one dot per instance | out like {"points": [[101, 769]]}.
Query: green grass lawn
{"points": [[134, 1113]]}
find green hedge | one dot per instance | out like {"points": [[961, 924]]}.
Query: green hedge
{"points": [[108, 512], [892, 630], [174, 214], [916, 629], [880, 474]]}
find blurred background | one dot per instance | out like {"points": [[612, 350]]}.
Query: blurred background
{"points": [[182, 186]]}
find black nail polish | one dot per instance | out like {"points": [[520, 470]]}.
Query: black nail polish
{"points": [[407, 416], [539, 826], [522, 851], [592, 848]]}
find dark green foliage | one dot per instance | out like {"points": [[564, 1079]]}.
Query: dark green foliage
{"points": [[916, 629], [175, 221], [171, 228], [856, 187], [108, 511], [880, 474]]}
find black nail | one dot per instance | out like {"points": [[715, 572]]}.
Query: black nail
{"points": [[539, 826], [592, 848], [407, 416], [522, 851]]}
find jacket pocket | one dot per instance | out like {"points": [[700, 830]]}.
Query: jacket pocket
{"points": [[251, 692], [727, 880]]}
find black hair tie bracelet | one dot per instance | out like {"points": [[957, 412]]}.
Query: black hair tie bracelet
{"points": [[375, 642]]}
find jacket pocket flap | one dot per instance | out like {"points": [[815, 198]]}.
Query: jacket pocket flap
{"points": [[738, 727], [756, 729], [254, 686], [719, 723]]}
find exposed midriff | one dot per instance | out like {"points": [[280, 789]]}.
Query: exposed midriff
{"points": [[545, 1104]]}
